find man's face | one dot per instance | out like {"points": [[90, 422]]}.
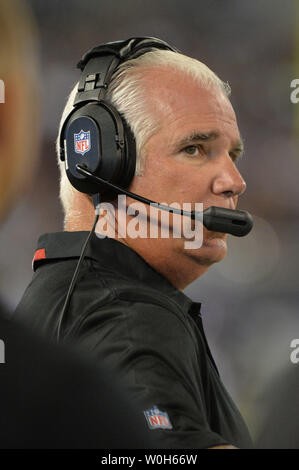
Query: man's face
{"points": [[191, 158]]}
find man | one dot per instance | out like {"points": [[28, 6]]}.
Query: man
{"points": [[50, 397], [127, 305]]}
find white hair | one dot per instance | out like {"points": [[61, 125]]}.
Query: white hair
{"points": [[127, 93]]}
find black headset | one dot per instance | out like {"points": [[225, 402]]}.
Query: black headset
{"points": [[94, 135]]}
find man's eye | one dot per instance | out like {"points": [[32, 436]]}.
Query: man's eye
{"points": [[234, 157], [193, 150]]}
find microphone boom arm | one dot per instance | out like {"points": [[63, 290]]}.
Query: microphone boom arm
{"points": [[217, 219]]}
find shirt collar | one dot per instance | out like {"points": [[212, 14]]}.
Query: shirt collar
{"points": [[112, 255]]}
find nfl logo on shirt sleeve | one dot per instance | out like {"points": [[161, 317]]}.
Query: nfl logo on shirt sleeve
{"points": [[157, 419], [82, 142]]}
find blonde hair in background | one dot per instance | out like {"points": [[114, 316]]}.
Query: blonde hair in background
{"points": [[19, 113], [127, 93]]}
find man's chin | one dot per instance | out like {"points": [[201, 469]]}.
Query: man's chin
{"points": [[216, 243], [216, 247], [212, 251]]}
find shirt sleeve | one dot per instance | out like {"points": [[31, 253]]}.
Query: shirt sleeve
{"points": [[154, 352]]}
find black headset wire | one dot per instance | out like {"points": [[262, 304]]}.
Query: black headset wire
{"points": [[96, 201]]}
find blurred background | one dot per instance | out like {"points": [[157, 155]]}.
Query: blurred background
{"points": [[250, 300]]}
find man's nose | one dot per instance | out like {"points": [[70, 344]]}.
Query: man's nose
{"points": [[228, 180]]}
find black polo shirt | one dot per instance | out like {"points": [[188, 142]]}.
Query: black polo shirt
{"points": [[130, 317], [49, 398]]}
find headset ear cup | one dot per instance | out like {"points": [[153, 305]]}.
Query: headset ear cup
{"points": [[130, 157], [94, 134], [96, 137], [82, 141]]}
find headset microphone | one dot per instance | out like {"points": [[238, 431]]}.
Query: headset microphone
{"points": [[217, 219]]}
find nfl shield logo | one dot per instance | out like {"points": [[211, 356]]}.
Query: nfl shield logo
{"points": [[82, 142], [157, 419]]}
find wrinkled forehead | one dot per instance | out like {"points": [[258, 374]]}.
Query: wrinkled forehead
{"points": [[171, 91], [176, 100]]}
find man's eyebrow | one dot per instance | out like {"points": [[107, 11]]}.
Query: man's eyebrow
{"points": [[196, 136]]}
